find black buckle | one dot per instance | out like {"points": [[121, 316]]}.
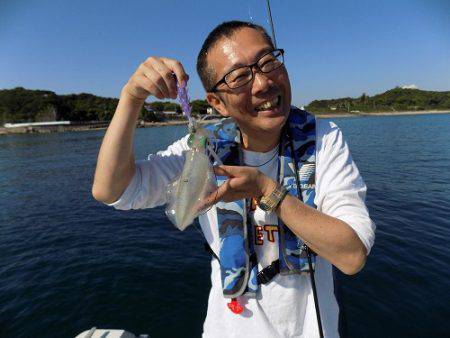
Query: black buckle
{"points": [[210, 251], [267, 274]]}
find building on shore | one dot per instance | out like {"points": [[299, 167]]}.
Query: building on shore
{"points": [[36, 124]]}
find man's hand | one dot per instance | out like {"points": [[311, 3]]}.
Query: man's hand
{"points": [[242, 182], [155, 76], [115, 164], [329, 237]]}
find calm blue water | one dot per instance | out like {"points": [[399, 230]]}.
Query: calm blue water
{"points": [[68, 263]]}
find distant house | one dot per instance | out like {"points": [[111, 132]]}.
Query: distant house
{"points": [[36, 124], [148, 108], [411, 86], [170, 113]]}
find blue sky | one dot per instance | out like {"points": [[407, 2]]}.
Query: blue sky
{"points": [[333, 48]]}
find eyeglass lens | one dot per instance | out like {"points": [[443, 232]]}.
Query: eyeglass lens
{"points": [[243, 75]]}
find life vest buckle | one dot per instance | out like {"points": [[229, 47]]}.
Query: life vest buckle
{"points": [[269, 272]]}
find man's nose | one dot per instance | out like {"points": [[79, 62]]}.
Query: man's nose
{"points": [[261, 81]]}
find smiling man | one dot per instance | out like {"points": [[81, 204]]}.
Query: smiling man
{"points": [[290, 188], [260, 110]]}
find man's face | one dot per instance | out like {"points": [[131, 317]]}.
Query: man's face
{"points": [[248, 104]]}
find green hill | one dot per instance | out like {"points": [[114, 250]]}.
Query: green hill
{"points": [[396, 99], [24, 105]]}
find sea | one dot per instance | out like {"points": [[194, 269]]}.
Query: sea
{"points": [[69, 263]]}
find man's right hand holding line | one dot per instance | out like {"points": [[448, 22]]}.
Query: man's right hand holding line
{"points": [[116, 162]]}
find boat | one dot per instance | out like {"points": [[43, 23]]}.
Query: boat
{"points": [[108, 333]]}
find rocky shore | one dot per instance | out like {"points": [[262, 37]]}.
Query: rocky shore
{"points": [[87, 126]]}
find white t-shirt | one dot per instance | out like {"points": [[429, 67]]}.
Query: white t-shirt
{"points": [[285, 306]]}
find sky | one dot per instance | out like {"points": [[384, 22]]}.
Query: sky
{"points": [[333, 48]]}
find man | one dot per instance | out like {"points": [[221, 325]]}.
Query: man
{"points": [[245, 79]]}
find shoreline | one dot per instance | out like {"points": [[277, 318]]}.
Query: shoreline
{"points": [[87, 127], [383, 113]]}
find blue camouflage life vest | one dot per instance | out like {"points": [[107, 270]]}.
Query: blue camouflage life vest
{"points": [[238, 270]]}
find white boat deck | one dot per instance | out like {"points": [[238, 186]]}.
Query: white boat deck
{"points": [[108, 333]]}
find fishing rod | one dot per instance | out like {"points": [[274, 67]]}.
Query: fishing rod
{"points": [[269, 12], [308, 250]]}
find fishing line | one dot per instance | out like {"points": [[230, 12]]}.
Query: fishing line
{"points": [[308, 250], [219, 162]]}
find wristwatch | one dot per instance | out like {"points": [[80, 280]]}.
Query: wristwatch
{"points": [[272, 201]]}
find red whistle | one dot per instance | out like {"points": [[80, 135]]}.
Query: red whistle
{"points": [[235, 307]]}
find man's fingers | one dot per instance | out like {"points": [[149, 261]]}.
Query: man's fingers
{"points": [[221, 191], [227, 170], [153, 74], [160, 72], [178, 70], [218, 195], [219, 170], [166, 74], [146, 84], [225, 193]]}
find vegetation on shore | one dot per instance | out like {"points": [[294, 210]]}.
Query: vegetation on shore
{"points": [[397, 99], [23, 105]]}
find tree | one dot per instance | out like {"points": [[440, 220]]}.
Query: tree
{"points": [[363, 98], [157, 106], [199, 107], [171, 106]]}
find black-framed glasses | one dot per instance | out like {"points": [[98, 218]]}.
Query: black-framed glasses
{"points": [[239, 77]]}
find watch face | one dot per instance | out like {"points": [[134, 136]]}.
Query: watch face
{"points": [[263, 206], [270, 203]]}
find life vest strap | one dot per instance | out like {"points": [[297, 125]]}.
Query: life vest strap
{"points": [[264, 276]]}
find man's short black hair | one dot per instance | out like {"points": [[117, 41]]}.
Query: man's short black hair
{"points": [[225, 29]]}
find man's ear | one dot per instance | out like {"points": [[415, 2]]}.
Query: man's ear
{"points": [[216, 102]]}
